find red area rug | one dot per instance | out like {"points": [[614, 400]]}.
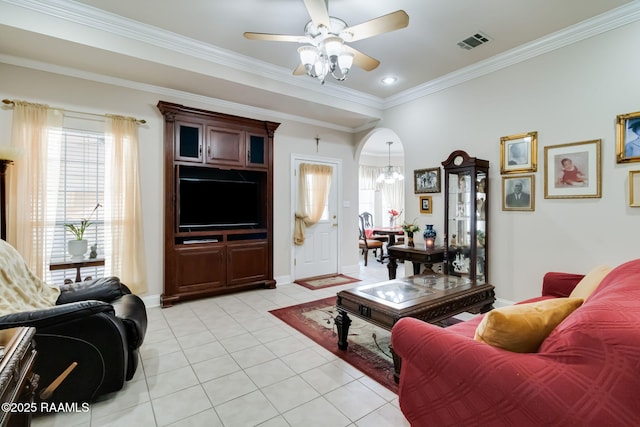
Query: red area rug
{"points": [[321, 282], [368, 349]]}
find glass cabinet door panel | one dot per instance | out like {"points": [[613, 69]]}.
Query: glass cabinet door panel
{"points": [[189, 142], [466, 181]]}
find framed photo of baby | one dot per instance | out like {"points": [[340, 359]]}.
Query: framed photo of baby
{"points": [[573, 171], [628, 138]]}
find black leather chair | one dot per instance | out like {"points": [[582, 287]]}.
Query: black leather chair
{"points": [[97, 324]]}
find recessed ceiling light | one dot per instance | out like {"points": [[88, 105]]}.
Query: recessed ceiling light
{"points": [[389, 80]]}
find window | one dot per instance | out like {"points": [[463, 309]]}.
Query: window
{"points": [[79, 171], [312, 191]]}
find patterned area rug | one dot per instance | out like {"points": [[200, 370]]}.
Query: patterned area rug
{"points": [[368, 348], [325, 281]]}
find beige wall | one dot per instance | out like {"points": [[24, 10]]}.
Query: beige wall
{"points": [[569, 95], [88, 96], [572, 94]]}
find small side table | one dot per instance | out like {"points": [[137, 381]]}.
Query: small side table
{"points": [[95, 262]]}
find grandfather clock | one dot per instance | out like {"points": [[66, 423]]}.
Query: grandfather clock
{"points": [[466, 239]]}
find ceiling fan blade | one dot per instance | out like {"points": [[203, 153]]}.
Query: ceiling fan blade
{"points": [[363, 61], [300, 70], [383, 24], [275, 37], [318, 12]]}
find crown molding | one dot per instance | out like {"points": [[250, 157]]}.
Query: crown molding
{"points": [[111, 23], [613, 19], [159, 90], [108, 22]]}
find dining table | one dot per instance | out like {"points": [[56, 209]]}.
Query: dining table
{"points": [[391, 233]]}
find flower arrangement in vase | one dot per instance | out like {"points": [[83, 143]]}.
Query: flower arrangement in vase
{"points": [[78, 247], [410, 228], [393, 216]]}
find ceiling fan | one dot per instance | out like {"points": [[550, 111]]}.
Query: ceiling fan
{"points": [[325, 39]]}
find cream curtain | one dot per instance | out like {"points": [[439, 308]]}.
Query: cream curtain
{"points": [[32, 186], [313, 191], [123, 205], [368, 176], [393, 195]]}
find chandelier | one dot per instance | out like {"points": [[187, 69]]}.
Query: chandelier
{"points": [[389, 175], [326, 52]]}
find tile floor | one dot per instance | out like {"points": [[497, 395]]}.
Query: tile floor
{"points": [[225, 361]]}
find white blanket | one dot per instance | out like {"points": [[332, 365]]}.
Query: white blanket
{"points": [[20, 289]]}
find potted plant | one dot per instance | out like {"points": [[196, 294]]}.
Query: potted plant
{"points": [[78, 247], [410, 228]]}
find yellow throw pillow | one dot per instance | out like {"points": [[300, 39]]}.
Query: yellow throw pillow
{"points": [[590, 282], [522, 327]]}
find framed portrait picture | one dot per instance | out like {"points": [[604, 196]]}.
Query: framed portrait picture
{"points": [[634, 189], [628, 138], [519, 153], [518, 193], [426, 180], [573, 170], [426, 205]]}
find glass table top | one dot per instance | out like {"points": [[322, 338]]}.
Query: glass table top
{"points": [[410, 288]]}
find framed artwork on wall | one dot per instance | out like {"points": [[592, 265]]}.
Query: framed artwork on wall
{"points": [[634, 189], [573, 171], [518, 193], [426, 180], [426, 204], [519, 153], [628, 138]]}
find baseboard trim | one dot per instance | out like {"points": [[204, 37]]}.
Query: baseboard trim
{"points": [[151, 300]]}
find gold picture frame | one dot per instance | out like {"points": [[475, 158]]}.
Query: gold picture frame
{"points": [[518, 193], [519, 153], [573, 171], [634, 189], [426, 204], [628, 137]]}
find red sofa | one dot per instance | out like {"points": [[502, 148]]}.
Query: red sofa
{"points": [[585, 373]]}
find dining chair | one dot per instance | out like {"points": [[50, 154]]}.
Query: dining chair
{"points": [[369, 225], [367, 244]]}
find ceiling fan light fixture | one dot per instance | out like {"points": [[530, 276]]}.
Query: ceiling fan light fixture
{"points": [[308, 55], [345, 61], [333, 45]]}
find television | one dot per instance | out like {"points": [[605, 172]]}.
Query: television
{"points": [[210, 203]]}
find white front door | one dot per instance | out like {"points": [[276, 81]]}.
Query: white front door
{"points": [[318, 256]]}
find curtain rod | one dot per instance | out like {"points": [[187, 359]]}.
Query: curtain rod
{"points": [[140, 122]]}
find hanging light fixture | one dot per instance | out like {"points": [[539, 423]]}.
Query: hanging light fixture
{"points": [[390, 175], [326, 53]]}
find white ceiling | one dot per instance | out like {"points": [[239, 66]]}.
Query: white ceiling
{"points": [[197, 47]]}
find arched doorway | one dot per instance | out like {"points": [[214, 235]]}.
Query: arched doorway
{"points": [[374, 155]]}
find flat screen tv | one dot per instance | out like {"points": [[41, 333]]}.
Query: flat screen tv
{"points": [[210, 203]]}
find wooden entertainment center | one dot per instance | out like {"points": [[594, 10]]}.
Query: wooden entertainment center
{"points": [[218, 204]]}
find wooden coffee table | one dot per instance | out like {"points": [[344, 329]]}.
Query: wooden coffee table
{"points": [[429, 297]]}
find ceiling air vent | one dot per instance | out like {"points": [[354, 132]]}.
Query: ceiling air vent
{"points": [[474, 41]]}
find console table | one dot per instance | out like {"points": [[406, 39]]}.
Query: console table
{"points": [[417, 255], [92, 262], [18, 383]]}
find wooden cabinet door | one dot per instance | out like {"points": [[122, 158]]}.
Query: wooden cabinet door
{"points": [[200, 268], [188, 141], [225, 146], [247, 262]]}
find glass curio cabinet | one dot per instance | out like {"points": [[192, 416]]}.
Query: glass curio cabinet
{"points": [[466, 183]]}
